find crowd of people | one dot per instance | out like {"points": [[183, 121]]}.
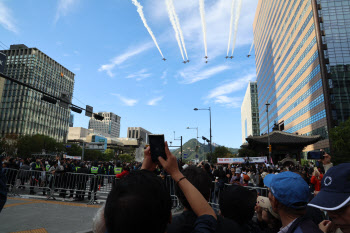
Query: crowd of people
{"points": [[310, 198]]}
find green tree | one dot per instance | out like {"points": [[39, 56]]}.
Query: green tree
{"points": [[74, 150], [220, 152], [28, 145], [109, 155], [93, 155], [9, 144], [340, 138], [125, 158], [245, 152]]}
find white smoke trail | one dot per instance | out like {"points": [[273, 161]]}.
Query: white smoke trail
{"points": [[251, 47], [142, 16], [173, 23], [204, 25], [238, 12], [178, 26], [231, 24]]}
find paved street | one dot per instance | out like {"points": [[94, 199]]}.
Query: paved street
{"points": [[24, 214]]}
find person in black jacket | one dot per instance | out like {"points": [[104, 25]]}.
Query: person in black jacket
{"points": [[184, 222], [82, 178]]}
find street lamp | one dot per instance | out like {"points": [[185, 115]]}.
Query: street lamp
{"points": [[268, 130], [196, 109], [197, 137]]}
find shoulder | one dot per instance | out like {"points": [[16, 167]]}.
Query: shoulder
{"points": [[183, 222]]}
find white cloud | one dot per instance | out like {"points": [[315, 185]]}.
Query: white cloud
{"points": [[76, 52], [230, 87], [164, 77], [64, 7], [118, 60], [232, 102], [155, 101], [126, 101], [217, 18], [192, 75], [142, 74], [6, 18]]}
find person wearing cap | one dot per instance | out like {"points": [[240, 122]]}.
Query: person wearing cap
{"points": [[289, 195], [334, 197], [268, 220]]}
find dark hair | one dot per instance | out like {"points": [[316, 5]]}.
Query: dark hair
{"points": [[141, 196], [200, 179], [237, 203], [207, 167]]}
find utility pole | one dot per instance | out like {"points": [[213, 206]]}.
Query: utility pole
{"points": [[268, 131]]}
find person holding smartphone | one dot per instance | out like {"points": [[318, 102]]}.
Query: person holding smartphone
{"points": [[140, 201]]}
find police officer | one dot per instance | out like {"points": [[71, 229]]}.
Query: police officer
{"points": [[118, 169], [95, 170], [36, 168]]}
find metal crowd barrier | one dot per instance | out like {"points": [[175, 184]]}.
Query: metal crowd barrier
{"points": [[10, 178], [170, 184]]}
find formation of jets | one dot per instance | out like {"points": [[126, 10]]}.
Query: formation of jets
{"points": [[206, 57]]}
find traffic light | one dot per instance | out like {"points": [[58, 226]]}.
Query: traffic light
{"points": [[270, 148], [204, 138], [77, 110], [49, 99]]}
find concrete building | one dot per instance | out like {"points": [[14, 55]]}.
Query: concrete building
{"points": [[110, 124], [22, 111], [302, 50], [138, 132], [250, 112]]}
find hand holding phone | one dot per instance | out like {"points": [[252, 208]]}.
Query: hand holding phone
{"points": [[157, 146]]}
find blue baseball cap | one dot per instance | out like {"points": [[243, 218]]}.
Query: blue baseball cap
{"points": [[289, 188], [335, 189], [267, 180]]}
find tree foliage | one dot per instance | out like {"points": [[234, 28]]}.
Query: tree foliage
{"points": [[125, 158], [245, 152], [93, 155], [221, 152], [340, 139], [109, 155], [28, 145]]}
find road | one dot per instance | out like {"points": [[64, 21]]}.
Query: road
{"points": [[40, 216]]}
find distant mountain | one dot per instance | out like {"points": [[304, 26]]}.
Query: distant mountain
{"points": [[189, 150]]}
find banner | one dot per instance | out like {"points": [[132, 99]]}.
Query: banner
{"points": [[242, 160], [72, 157]]}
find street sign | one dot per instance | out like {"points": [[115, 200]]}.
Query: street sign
{"points": [[2, 62], [196, 156], [68, 146], [101, 140], [185, 156], [88, 111]]}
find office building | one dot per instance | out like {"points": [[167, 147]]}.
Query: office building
{"points": [[22, 111], [138, 133], [110, 124], [302, 50], [71, 120], [250, 112]]}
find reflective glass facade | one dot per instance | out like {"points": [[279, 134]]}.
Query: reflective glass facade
{"points": [[250, 112], [289, 68], [336, 35], [22, 111]]}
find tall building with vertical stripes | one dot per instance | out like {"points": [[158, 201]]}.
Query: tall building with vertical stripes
{"points": [[302, 50], [22, 112]]}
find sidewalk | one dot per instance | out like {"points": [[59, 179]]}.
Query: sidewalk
{"points": [[35, 215]]}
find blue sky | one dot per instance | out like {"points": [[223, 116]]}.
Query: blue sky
{"points": [[119, 69]]}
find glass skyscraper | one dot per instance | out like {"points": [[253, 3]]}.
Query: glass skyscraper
{"points": [[302, 59], [250, 112], [22, 111]]}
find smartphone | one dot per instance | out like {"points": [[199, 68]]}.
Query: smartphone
{"points": [[156, 142], [315, 155]]}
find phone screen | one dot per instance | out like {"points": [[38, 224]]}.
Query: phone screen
{"points": [[315, 154], [156, 142]]}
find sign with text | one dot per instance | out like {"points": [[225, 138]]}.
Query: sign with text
{"points": [[72, 157], [241, 160], [2, 62]]}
